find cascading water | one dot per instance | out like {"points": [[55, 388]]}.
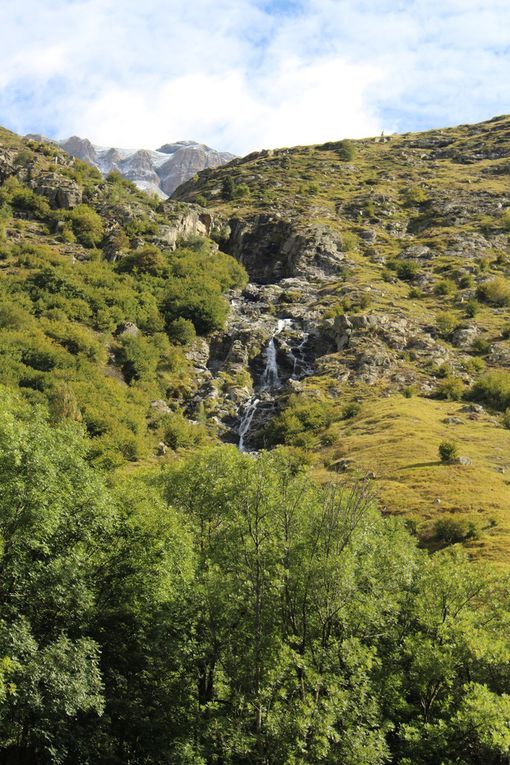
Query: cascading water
{"points": [[270, 380], [300, 365], [244, 426]]}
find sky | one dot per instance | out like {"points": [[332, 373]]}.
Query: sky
{"points": [[242, 75]]}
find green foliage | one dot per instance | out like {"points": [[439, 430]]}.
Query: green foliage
{"points": [[407, 270], [181, 331], [447, 451], [446, 323], [300, 422], [87, 225], [471, 308], [415, 195], [146, 260], [229, 609], [505, 220], [451, 389], [178, 432], [493, 389], [346, 150], [449, 530], [495, 291]]}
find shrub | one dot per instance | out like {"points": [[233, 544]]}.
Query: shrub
{"points": [[179, 433], [451, 389], [198, 300], [495, 291], [242, 191], [346, 151], [445, 287], [466, 281], [446, 323], [506, 418], [300, 422], [481, 346], [351, 410], [87, 225], [450, 531], [493, 389], [471, 308], [181, 331], [228, 188], [415, 195], [407, 270], [146, 260], [447, 451]]}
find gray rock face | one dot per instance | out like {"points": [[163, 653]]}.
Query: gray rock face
{"points": [[272, 249], [62, 193], [159, 172]]}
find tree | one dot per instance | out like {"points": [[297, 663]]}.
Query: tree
{"points": [[447, 451]]}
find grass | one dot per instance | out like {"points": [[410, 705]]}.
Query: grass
{"points": [[398, 439]]}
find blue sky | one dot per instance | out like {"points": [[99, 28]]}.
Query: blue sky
{"points": [[247, 74]]}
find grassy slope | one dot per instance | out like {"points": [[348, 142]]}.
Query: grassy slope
{"points": [[395, 437]]}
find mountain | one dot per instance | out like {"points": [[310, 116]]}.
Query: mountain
{"points": [[159, 172], [255, 444], [374, 326]]}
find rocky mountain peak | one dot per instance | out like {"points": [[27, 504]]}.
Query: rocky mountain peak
{"points": [[160, 171]]}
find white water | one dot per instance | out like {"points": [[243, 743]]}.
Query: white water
{"points": [[299, 362], [269, 381], [244, 426]]}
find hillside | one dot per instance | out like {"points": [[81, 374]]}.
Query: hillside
{"points": [[102, 289], [220, 424], [375, 325], [387, 261]]}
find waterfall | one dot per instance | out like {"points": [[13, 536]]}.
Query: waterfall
{"points": [[270, 380], [300, 365], [245, 423]]}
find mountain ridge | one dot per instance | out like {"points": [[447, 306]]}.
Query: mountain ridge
{"points": [[159, 171]]}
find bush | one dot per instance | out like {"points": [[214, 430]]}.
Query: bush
{"points": [[415, 195], [300, 422], [146, 260], [447, 451], [87, 225], [493, 389], [351, 410], [495, 291], [506, 419], [481, 346], [346, 151], [407, 270], [445, 287], [181, 331], [199, 300], [228, 188], [450, 531], [451, 389], [446, 323], [179, 433], [471, 308]]}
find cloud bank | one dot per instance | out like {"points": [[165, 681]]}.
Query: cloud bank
{"points": [[246, 74]]}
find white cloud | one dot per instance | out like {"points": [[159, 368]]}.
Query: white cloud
{"points": [[241, 75]]}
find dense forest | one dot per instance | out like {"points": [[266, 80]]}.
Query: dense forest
{"points": [[228, 609], [235, 527]]}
